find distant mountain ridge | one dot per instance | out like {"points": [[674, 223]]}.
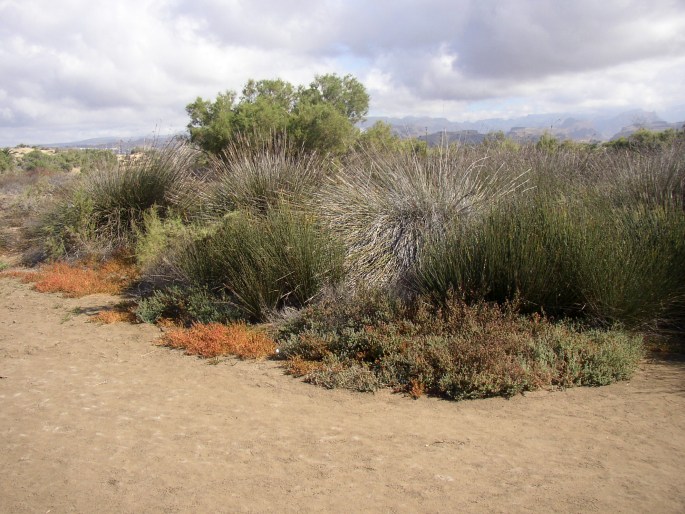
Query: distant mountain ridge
{"points": [[576, 127], [528, 128], [116, 144]]}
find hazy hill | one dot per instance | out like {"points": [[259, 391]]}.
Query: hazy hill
{"points": [[119, 145], [528, 128]]}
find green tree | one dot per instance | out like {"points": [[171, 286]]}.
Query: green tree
{"points": [[212, 123], [319, 117], [346, 94]]}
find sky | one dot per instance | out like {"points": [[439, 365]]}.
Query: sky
{"points": [[78, 69]]}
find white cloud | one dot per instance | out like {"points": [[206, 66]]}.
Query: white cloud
{"points": [[74, 67]]}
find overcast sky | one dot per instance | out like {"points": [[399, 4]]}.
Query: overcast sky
{"points": [[76, 69]]}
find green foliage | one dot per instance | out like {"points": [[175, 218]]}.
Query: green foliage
{"points": [[187, 305], [647, 140], [66, 160], [262, 263], [36, 160], [120, 197], [345, 94], [610, 264], [381, 138], [320, 127], [459, 351], [67, 229], [547, 142], [320, 117], [104, 210], [6, 160], [211, 123], [156, 238]]}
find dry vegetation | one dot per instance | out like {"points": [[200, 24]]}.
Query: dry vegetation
{"points": [[217, 340], [462, 272], [76, 280]]}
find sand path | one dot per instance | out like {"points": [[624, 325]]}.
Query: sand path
{"points": [[95, 418]]}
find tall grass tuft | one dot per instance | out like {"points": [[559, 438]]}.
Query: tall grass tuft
{"points": [[100, 214], [385, 205], [258, 176], [158, 179]]}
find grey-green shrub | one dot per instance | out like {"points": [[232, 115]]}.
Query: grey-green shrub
{"points": [[459, 351], [187, 305], [104, 210]]}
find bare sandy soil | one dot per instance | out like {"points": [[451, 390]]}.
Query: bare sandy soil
{"points": [[96, 418]]}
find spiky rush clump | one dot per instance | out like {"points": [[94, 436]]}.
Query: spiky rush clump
{"points": [[385, 205]]}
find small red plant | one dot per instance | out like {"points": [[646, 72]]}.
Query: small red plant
{"points": [[75, 281], [215, 339]]}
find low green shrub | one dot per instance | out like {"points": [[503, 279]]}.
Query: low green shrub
{"points": [[458, 351], [187, 305]]}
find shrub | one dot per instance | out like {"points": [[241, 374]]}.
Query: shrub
{"points": [[263, 263], [458, 351], [186, 305], [67, 228], [159, 179], [6, 160], [591, 259], [101, 213], [155, 238]]}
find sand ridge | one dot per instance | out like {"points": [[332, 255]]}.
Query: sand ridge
{"points": [[96, 418]]}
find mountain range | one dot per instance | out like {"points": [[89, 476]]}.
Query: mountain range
{"points": [[601, 127]]}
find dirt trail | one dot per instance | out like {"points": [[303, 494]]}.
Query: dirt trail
{"points": [[95, 418]]}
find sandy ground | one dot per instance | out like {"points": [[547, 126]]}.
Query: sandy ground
{"points": [[96, 418]]}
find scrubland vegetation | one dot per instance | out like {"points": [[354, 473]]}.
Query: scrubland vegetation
{"points": [[462, 271]]}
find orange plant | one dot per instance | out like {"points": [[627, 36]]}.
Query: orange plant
{"points": [[78, 280], [121, 313], [299, 367], [214, 340]]}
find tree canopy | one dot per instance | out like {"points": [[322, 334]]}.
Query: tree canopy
{"points": [[319, 117]]}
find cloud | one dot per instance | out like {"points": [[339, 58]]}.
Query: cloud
{"points": [[76, 66]]}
